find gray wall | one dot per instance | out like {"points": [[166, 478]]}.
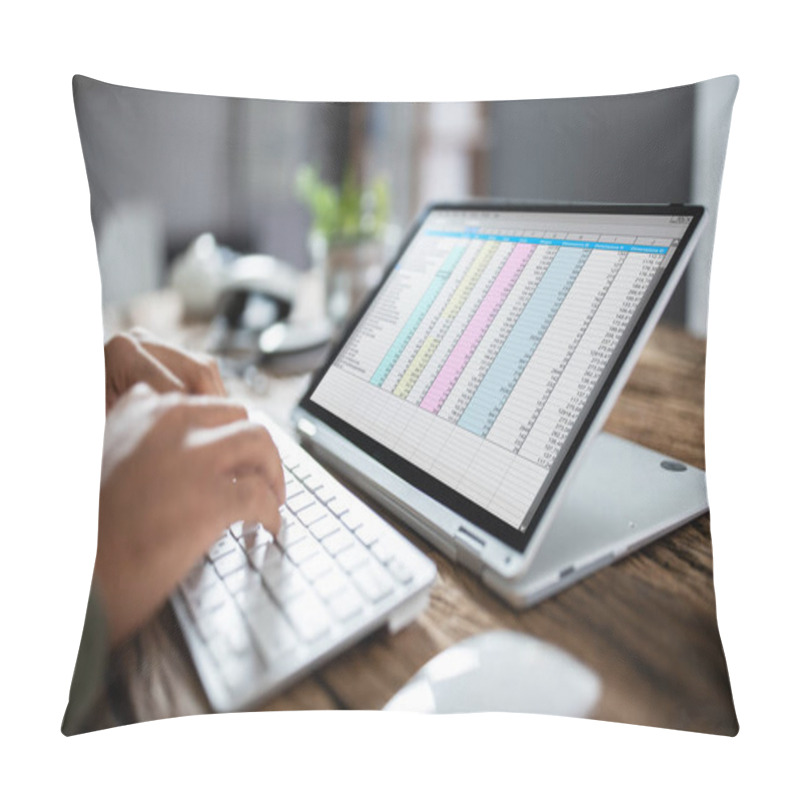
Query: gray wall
{"points": [[201, 163], [165, 167], [653, 147]]}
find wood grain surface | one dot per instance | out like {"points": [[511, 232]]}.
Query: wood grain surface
{"points": [[646, 624]]}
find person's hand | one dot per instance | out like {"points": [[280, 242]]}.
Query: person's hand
{"points": [[177, 470], [137, 356]]}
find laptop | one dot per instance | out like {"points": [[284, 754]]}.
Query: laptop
{"points": [[468, 394], [465, 397]]}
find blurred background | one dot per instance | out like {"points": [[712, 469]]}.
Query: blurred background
{"points": [[322, 184]]}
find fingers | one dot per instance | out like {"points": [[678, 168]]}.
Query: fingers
{"points": [[199, 374], [219, 439], [239, 449], [190, 416], [231, 458], [252, 499], [127, 363], [139, 357]]}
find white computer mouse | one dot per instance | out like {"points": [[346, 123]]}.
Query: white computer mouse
{"points": [[501, 670]]}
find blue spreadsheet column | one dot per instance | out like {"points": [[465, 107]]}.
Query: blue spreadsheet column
{"points": [[414, 321], [531, 326]]}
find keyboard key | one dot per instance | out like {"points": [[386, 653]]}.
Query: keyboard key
{"points": [[338, 505], [290, 458], [326, 492], [230, 562], [314, 482], [330, 584], [262, 557], [208, 600], [311, 514], [373, 582], [352, 519], [300, 501], [254, 537], [256, 605], [235, 631], [383, 553], [400, 571], [302, 550], [217, 621], [352, 558], [202, 577], [324, 527], [243, 580], [275, 567], [286, 584], [303, 471], [273, 636], [237, 669], [293, 487], [207, 627], [309, 618], [290, 533], [289, 588], [337, 542], [224, 545], [315, 567], [252, 598], [345, 604], [367, 534]]}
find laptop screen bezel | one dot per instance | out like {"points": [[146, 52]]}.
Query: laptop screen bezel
{"points": [[515, 538]]}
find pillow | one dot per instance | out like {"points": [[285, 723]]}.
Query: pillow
{"points": [[181, 185]]}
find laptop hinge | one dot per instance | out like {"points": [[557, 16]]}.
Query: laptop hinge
{"points": [[469, 551]]}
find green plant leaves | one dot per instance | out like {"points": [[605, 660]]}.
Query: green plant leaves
{"points": [[345, 213]]}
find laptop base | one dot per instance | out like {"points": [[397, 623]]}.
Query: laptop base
{"points": [[622, 497]]}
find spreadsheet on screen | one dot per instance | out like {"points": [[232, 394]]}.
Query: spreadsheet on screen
{"points": [[484, 344]]}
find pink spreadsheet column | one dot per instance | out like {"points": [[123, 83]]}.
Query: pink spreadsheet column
{"points": [[477, 327]]}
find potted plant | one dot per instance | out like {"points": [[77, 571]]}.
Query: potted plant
{"points": [[347, 238]]}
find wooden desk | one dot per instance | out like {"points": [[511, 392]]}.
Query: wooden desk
{"points": [[647, 624]]}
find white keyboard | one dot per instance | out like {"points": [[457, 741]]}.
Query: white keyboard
{"points": [[261, 611]]}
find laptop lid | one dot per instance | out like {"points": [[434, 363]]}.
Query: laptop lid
{"points": [[489, 354]]}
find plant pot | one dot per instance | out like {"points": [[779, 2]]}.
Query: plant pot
{"points": [[351, 268]]}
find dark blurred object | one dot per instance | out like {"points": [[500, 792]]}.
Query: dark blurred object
{"points": [[292, 347], [243, 314], [252, 329]]}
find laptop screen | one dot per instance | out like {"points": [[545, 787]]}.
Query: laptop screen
{"points": [[486, 348]]}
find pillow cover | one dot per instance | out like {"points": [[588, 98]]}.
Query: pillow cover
{"points": [[165, 169]]}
